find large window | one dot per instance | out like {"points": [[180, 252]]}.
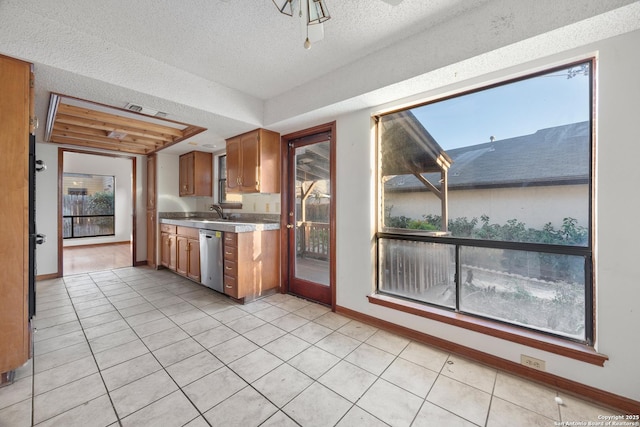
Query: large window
{"points": [[485, 203], [88, 205]]}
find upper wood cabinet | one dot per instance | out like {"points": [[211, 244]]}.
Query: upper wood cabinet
{"points": [[15, 89], [253, 162], [196, 172]]}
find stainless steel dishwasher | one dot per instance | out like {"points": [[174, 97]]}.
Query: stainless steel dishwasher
{"points": [[211, 269]]}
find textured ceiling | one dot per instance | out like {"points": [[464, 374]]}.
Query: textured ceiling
{"points": [[247, 44], [234, 65]]}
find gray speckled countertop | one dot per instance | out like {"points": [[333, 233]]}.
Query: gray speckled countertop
{"points": [[232, 226]]}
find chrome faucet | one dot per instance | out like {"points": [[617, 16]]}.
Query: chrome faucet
{"points": [[218, 210]]}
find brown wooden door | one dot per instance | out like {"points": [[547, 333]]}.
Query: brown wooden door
{"points": [[151, 238], [250, 162], [187, 165], [168, 250], [14, 226], [151, 182], [182, 255], [233, 165], [310, 214]]}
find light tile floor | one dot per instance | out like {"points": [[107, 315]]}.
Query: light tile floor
{"points": [[139, 347]]}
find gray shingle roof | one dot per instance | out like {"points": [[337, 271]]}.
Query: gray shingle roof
{"points": [[552, 156]]}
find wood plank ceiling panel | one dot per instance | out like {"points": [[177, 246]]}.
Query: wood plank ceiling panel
{"points": [[98, 126]]}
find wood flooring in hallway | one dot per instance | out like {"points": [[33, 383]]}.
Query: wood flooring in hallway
{"points": [[90, 258]]}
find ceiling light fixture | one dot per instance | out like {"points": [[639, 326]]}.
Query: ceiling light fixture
{"points": [[316, 13]]}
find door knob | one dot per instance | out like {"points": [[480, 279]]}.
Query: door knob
{"points": [[289, 225]]}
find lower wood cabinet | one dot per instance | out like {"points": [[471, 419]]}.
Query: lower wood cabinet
{"points": [[251, 263], [188, 252], [251, 259], [168, 246], [180, 250]]}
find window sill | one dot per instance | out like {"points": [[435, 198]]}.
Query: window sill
{"points": [[532, 339]]}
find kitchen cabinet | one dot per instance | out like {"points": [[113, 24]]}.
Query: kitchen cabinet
{"points": [[253, 162], [16, 81], [196, 173], [168, 252], [188, 252], [251, 263], [151, 211], [151, 182], [151, 238], [180, 249]]}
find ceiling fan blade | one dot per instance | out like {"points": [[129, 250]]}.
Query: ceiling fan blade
{"points": [[393, 2]]}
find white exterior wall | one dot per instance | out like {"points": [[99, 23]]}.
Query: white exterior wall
{"points": [[617, 293], [535, 206]]}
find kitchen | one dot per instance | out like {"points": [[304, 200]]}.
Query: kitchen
{"points": [[349, 93]]}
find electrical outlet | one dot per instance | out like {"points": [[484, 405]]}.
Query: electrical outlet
{"points": [[532, 362]]}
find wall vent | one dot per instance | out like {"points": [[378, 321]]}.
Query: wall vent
{"points": [[145, 110]]}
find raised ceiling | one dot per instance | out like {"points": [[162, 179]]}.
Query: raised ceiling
{"points": [[234, 65], [82, 123]]}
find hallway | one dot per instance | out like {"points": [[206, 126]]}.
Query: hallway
{"points": [[92, 258]]}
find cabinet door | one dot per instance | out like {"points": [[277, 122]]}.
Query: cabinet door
{"points": [[168, 250], [233, 165], [187, 164], [250, 163], [151, 239], [14, 226], [182, 251], [193, 267], [151, 182]]}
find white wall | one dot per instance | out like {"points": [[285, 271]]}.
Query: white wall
{"points": [[616, 208], [168, 186], [47, 209], [121, 169]]}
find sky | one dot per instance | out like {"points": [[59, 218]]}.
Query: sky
{"points": [[507, 111]]}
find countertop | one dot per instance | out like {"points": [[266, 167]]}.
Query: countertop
{"points": [[232, 226]]}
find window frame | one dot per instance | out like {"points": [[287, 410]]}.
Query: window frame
{"points": [[222, 185], [84, 192], [581, 350]]}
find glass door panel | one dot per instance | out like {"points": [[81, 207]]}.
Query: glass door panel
{"points": [[310, 217]]}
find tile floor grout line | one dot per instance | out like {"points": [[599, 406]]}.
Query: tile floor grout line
{"points": [[34, 365], [164, 368], [93, 355], [171, 287]]}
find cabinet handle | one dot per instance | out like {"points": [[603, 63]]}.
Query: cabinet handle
{"points": [[228, 268], [228, 253], [228, 286]]}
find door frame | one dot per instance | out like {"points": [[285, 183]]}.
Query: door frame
{"points": [[133, 244], [285, 199]]}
